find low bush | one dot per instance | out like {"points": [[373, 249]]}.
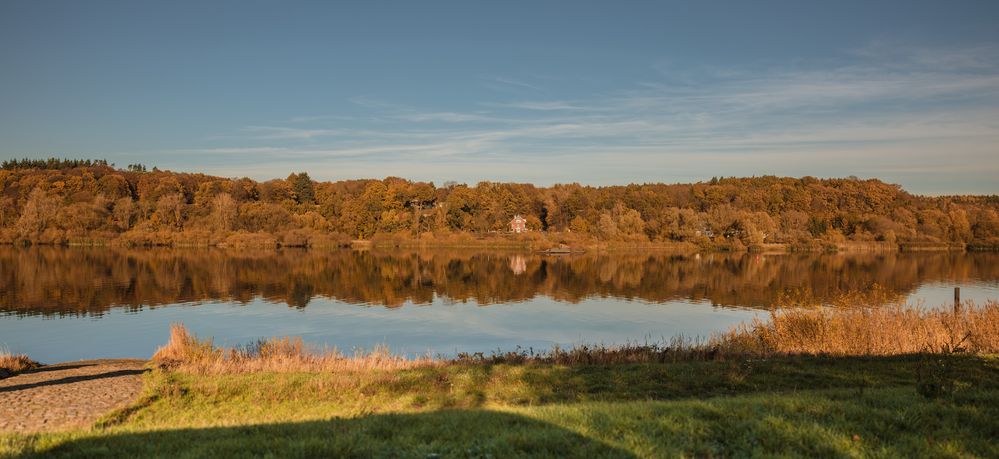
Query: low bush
{"points": [[243, 239]]}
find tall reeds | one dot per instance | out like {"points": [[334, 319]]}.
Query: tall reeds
{"points": [[862, 331], [869, 331], [288, 354]]}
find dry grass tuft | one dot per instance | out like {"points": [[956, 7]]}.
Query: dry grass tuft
{"points": [[289, 354], [185, 347], [869, 331], [11, 364], [861, 331]]}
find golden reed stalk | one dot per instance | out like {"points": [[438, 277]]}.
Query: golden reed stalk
{"points": [[863, 331]]}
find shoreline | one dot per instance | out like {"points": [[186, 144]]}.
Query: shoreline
{"points": [[867, 386], [525, 245]]}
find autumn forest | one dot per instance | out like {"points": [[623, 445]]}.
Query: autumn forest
{"points": [[94, 203]]}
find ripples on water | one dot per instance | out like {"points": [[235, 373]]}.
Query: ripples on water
{"points": [[58, 303]]}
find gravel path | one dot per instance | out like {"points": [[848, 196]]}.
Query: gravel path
{"points": [[68, 395]]}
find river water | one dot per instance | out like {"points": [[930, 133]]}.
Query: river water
{"points": [[59, 304]]}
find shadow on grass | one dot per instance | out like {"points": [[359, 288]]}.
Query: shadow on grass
{"points": [[891, 419], [543, 384], [448, 433]]}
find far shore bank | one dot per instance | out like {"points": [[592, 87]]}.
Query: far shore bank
{"points": [[502, 242]]}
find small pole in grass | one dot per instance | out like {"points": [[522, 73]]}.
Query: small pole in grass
{"points": [[957, 300]]}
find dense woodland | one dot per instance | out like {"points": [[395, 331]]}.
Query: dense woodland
{"points": [[92, 202]]}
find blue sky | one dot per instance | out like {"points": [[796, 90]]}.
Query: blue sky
{"points": [[543, 92]]}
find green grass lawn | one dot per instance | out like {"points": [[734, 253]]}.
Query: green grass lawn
{"points": [[830, 407]]}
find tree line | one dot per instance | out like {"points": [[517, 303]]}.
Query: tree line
{"points": [[51, 163], [59, 201]]}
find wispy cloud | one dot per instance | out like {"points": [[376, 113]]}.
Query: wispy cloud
{"points": [[278, 133], [226, 150], [308, 119], [371, 102], [515, 82], [874, 111], [449, 117], [550, 105]]}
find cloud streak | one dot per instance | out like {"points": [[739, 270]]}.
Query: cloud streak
{"points": [[516, 83], [542, 105], [874, 113]]}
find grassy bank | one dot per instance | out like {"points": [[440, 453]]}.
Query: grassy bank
{"points": [[815, 406], [889, 382]]}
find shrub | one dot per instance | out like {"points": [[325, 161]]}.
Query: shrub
{"points": [[243, 239], [11, 364]]}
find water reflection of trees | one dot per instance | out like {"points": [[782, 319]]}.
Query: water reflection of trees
{"points": [[47, 280]]}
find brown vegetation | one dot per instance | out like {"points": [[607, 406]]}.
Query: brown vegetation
{"points": [[862, 331], [11, 364], [869, 331], [90, 202], [288, 354]]}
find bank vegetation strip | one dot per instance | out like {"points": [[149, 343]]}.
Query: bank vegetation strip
{"points": [[893, 381]]}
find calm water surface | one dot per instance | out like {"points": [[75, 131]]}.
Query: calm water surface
{"points": [[61, 304]]}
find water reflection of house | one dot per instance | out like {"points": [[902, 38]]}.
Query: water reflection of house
{"points": [[518, 264], [518, 224]]}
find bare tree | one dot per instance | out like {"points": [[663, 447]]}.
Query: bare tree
{"points": [[39, 211], [224, 210], [171, 209], [124, 213]]}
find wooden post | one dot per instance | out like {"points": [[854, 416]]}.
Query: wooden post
{"points": [[957, 300]]}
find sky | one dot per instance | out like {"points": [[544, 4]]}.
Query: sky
{"points": [[543, 92]]}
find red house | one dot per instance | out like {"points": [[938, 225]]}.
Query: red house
{"points": [[518, 224]]}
